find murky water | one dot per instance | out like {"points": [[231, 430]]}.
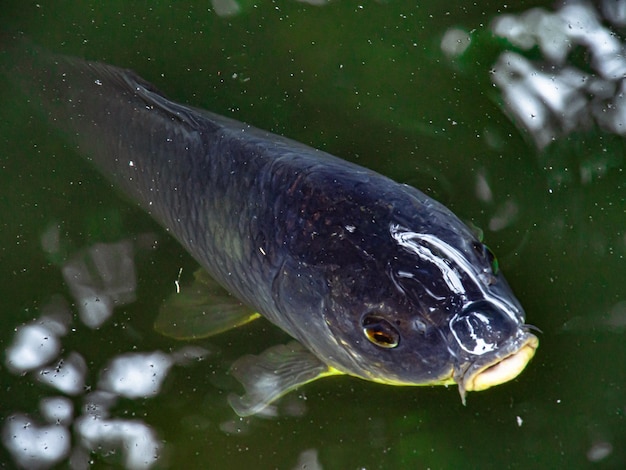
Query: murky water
{"points": [[515, 122]]}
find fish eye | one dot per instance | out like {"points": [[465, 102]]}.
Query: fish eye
{"points": [[380, 332], [493, 261], [484, 251]]}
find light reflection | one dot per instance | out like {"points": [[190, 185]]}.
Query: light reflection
{"points": [[39, 342], [552, 98], [229, 8], [599, 451], [66, 375], [542, 103], [226, 8], [33, 346], [308, 459], [454, 42], [137, 441], [99, 278], [136, 375], [35, 445], [58, 410]]}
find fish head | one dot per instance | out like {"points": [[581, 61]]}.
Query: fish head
{"points": [[430, 307]]}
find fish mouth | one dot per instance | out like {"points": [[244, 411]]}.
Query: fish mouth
{"points": [[482, 375]]}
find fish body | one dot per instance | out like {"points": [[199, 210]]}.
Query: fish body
{"points": [[372, 278]]}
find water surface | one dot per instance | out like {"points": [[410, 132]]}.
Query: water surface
{"points": [[519, 138]]}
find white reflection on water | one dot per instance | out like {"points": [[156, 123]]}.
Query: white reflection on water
{"points": [[228, 8], [66, 375], [35, 445], [40, 445], [99, 278], [308, 459], [96, 429], [33, 346], [551, 99], [136, 375], [39, 342], [138, 441], [58, 410]]}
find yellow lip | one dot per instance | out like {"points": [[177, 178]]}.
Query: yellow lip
{"points": [[503, 370]]}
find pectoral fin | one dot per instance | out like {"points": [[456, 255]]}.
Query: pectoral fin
{"points": [[272, 374], [201, 309]]}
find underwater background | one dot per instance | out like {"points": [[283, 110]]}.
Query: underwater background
{"points": [[513, 115]]}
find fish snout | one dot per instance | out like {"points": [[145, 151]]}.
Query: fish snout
{"points": [[498, 368]]}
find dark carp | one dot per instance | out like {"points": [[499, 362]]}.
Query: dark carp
{"points": [[371, 278]]}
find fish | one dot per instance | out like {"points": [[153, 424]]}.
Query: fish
{"points": [[370, 278]]}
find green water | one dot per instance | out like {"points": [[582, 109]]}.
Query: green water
{"points": [[369, 83]]}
